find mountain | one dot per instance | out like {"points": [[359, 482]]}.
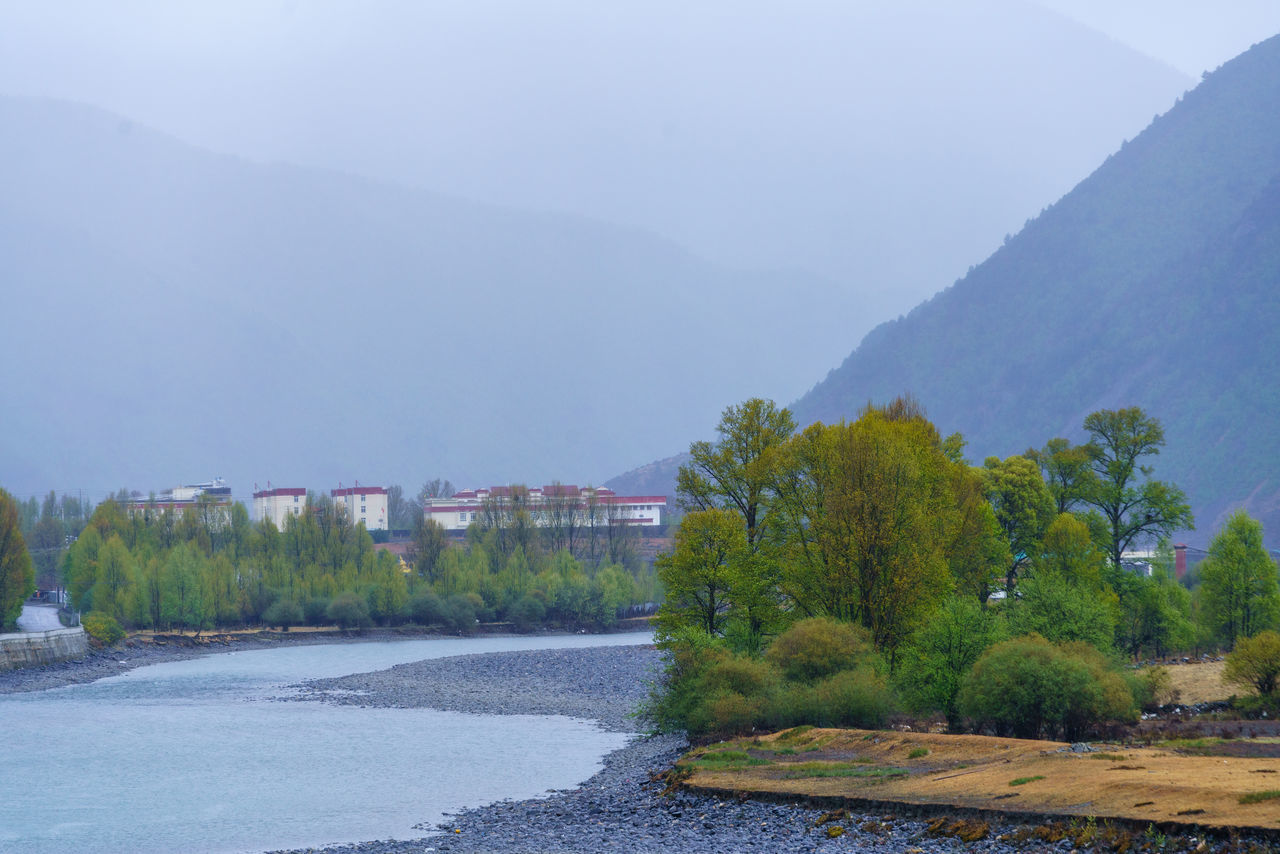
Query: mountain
{"points": [[1152, 283], [881, 145], [173, 315], [1155, 282]]}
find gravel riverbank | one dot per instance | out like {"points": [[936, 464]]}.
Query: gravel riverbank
{"points": [[623, 808]]}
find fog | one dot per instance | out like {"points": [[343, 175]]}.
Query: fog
{"points": [[712, 200]]}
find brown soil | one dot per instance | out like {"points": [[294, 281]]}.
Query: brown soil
{"points": [[1147, 784]]}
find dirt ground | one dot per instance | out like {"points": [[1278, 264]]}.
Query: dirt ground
{"points": [[1195, 783]]}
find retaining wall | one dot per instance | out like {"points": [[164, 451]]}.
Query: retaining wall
{"points": [[25, 649]]}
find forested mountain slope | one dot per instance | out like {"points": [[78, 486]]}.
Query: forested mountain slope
{"points": [[1153, 283]]}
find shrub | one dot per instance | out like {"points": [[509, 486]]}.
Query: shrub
{"points": [[527, 613], [102, 629], [283, 613], [460, 612], [1255, 663], [853, 698], [1151, 687], [349, 611], [818, 647], [426, 609], [1029, 687], [315, 610]]}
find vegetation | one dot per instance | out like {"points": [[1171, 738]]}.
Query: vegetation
{"points": [[17, 576], [210, 567], [843, 572], [1255, 663]]}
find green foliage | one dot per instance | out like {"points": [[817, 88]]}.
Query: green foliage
{"points": [[527, 612], [1133, 505], [700, 571], [460, 612], [1023, 506], [349, 611], [1051, 606], [1029, 687], [1255, 663], [1238, 581], [816, 648], [103, 629], [284, 613], [938, 656], [17, 575]]}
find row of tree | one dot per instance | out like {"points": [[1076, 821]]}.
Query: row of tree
{"points": [[882, 523], [211, 567]]}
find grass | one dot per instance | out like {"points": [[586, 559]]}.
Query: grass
{"points": [[727, 760], [1021, 781], [1259, 797], [808, 770], [918, 752], [1110, 757]]}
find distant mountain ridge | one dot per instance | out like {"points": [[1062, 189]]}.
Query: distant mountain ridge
{"points": [[177, 315], [1155, 283]]}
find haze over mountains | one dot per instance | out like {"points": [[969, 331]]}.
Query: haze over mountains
{"points": [[186, 314], [1153, 283]]}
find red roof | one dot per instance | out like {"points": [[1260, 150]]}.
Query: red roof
{"points": [[280, 490], [358, 490]]}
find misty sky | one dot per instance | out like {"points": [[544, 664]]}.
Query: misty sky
{"points": [[864, 153]]}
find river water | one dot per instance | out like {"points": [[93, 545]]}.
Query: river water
{"points": [[200, 756]]}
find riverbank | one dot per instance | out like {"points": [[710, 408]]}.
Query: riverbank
{"points": [[627, 807]]}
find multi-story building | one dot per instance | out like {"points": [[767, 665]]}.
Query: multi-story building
{"points": [[549, 505], [279, 503], [212, 497], [366, 504]]}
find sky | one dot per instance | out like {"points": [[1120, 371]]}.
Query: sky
{"points": [[861, 143]]}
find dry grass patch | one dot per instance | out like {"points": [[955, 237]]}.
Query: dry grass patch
{"points": [[1155, 784], [1199, 682]]}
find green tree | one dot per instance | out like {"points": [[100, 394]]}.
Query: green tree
{"points": [[1134, 506], [1238, 581], [735, 473], [1060, 611], [17, 575], [698, 572], [1023, 507], [1067, 472], [938, 656]]}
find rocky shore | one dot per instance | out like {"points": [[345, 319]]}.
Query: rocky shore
{"points": [[625, 807]]}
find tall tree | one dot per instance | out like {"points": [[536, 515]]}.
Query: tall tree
{"points": [[1023, 508], [1066, 471], [1238, 581], [1133, 506], [734, 472], [17, 576], [698, 573]]}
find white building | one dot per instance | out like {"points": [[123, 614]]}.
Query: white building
{"points": [[366, 504], [279, 504], [588, 505], [212, 497]]}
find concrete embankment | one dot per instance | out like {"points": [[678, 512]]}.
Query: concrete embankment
{"points": [[29, 649]]}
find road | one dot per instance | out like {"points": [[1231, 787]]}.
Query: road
{"points": [[39, 618]]}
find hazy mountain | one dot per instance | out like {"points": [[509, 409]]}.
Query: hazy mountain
{"points": [[174, 315], [884, 145], [1153, 283]]}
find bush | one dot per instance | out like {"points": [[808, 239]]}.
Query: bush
{"points": [[1029, 687], [527, 613], [426, 609], [816, 648], [853, 698], [1151, 687], [460, 612], [103, 630], [315, 610], [283, 613], [1255, 663], [349, 611]]}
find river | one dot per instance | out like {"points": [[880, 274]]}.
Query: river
{"points": [[203, 755]]}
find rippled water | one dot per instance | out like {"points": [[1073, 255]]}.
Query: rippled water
{"points": [[197, 755]]}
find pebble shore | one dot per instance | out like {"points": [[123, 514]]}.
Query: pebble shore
{"points": [[623, 807]]}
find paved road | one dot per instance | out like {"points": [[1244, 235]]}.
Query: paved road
{"points": [[39, 618]]}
